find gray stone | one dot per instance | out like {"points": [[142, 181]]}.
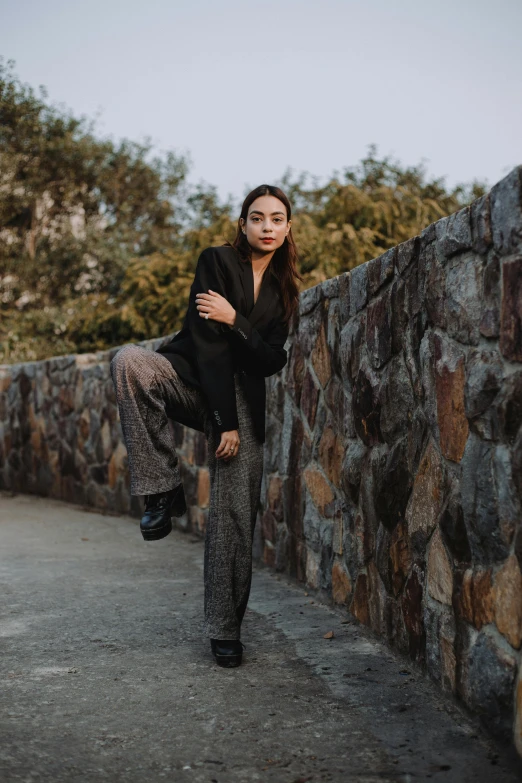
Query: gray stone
{"points": [[454, 233], [330, 288], [506, 213], [358, 288], [406, 253], [480, 503], [482, 237], [352, 469], [308, 299], [396, 399], [399, 314], [484, 373], [427, 236], [351, 339], [491, 674], [378, 330], [463, 304], [509, 507], [344, 298], [380, 270]]}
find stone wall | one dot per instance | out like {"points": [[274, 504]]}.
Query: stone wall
{"points": [[393, 461]]}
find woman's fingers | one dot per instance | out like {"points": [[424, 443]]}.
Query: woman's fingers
{"points": [[229, 445]]}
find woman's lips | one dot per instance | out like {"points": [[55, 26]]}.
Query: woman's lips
{"points": [[267, 239]]}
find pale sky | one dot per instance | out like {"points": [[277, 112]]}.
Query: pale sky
{"points": [[250, 87]]}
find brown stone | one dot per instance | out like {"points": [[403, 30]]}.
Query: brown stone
{"points": [[413, 612], [5, 381], [117, 464], [440, 575], [36, 442], [275, 496], [331, 455], [366, 408], [511, 310], [66, 398], [85, 423], [309, 398], [106, 440], [319, 489], [268, 527], [451, 416], [475, 600], [203, 488], [269, 554], [427, 497], [341, 584], [201, 521], [320, 358], [448, 658], [507, 599], [400, 556], [359, 606]]}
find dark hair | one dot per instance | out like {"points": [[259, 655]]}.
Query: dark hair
{"points": [[283, 263]]}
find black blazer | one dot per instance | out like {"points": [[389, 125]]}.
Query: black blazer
{"points": [[206, 353]]}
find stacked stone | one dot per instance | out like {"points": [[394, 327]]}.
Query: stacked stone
{"points": [[394, 466]]}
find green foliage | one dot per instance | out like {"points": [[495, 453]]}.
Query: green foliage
{"points": [[99, 241]]}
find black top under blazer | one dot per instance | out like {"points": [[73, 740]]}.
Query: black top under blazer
{"points": [[206, 353]]}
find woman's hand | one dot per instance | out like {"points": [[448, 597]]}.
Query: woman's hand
{"points": [[229, 445], [217, 307]]}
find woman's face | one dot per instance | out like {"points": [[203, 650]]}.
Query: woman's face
{"points": [[266, 224]]}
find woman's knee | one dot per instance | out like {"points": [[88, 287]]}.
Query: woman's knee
{"points": [[127, 359]]}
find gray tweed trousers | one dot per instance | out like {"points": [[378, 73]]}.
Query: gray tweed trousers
{"points": [[146, 385]]}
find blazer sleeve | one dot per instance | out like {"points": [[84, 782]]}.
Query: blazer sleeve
{"points": [[268, 355], [213, 350]]}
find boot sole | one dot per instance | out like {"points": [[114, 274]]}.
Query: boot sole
{"points": [[155, 535], [228, 661]]}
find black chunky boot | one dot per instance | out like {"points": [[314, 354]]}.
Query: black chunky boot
{"points": [[159, 508], [227, 652]]}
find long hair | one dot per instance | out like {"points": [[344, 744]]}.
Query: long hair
{"points": [[283, 263]]}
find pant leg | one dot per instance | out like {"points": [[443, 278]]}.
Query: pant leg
{"points": [[235, 489], [146, 384]]}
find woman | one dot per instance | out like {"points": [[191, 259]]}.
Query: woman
{"points": [[211, 377]]}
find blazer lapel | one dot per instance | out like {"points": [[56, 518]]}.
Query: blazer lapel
{"points": [[265, 295]]}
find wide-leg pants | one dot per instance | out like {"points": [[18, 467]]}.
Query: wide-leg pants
{"points": [[147, 385]]}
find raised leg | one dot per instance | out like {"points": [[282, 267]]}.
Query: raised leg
{"points": [[146, 386]]}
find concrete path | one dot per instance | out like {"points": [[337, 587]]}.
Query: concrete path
{"points": [[106, 677]]}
